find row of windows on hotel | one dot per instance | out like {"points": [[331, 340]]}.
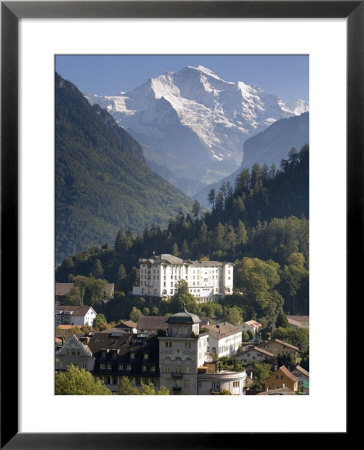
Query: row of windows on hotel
{"points": [[194, 271], [156, 277]]}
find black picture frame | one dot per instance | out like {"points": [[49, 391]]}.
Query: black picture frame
{"points": [[11, 12]]}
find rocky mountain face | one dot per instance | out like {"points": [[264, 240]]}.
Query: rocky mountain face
{"points": [[268, 147], [194, 123]]}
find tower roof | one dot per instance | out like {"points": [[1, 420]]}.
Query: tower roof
{"points": [[184, 317]]}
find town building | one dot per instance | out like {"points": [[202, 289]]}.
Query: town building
{"points": [[212, 382], [276, 346], [151, 325], [74, 352], [129, 326], [120, 355], [181, 352], [303, 378], [254, 327], [179, 360], [282, 378], [256, 354], [298, 321], [75, 315], [206, 280], [184, 361], [224, 339]]}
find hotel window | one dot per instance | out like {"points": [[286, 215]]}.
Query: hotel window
{"points": [[73, 353], [102, 366], [144, 368], [146, 356], [166, 369], [236, 384], [187, 384], [168, 344], [187, 344], [132, 355], [188, 369], [83, 365]]}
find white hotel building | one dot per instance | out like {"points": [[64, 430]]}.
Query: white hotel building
{"points": [[206, 280]]}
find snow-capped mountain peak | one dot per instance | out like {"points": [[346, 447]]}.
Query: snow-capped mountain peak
{"points": [[194, 121]]}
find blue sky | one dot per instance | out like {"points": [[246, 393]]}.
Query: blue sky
{"points": [[283, 75]]}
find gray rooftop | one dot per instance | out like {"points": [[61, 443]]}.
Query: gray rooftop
{"points": [[183, 317]]}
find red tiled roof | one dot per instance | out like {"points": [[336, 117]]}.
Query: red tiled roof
{"points": [[279, 342], [286, 372]]}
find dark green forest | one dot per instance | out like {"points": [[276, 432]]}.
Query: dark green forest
{"points": [[103, 183], [260, 224]]}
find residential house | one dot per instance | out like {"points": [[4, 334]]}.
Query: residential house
{"points": [[150, 325], [256, 354], [206, 280], [74, 352], [224, 339], [276, 346], [282, 378], [75, 315], [253, 326], [128, 326], [298, 321], [303, 378]]}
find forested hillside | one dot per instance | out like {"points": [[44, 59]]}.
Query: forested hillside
{"points": [[260, 224], [103, 183]]}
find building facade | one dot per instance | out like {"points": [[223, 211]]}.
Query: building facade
{"points": [[206, 280], [76, 353], [181, 352], [224, 339], [282, 378], [75, 315]]}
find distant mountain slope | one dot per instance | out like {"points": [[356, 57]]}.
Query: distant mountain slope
{"points": [[102, 180], [268, 147], [194, 122]]}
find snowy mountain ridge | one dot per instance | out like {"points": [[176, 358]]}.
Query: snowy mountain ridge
{"points": [[194, 122]]}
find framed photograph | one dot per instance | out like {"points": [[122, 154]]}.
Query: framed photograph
{"points": [[41, 38]]}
